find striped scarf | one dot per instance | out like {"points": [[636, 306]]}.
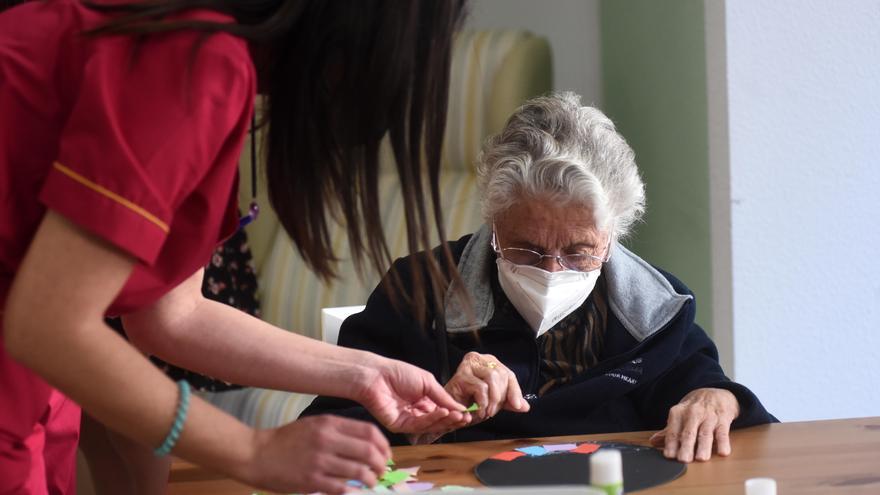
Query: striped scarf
{"points": [[573, 345]]}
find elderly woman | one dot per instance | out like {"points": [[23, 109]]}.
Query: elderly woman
{"points": [[566, 331]]}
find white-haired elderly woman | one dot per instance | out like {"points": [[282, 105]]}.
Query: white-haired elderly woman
{"points": [[566, 331]]}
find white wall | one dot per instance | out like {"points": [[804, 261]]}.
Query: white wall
{"points": [[719, 183], [572, 26], [803, 110]]}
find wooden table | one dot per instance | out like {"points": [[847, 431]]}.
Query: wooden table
{"points": [[813, 457]]}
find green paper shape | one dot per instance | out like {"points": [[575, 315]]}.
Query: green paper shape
{"points": [[473, 407], [393, 478], [390, 462]]}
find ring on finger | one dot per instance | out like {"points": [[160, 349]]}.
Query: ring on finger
{"points": [[490, 364]]}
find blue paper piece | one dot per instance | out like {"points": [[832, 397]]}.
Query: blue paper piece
{"points": [[535, 450]]}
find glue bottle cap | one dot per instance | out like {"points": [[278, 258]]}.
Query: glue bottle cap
{"points": [[606, 467], [761, 486]]}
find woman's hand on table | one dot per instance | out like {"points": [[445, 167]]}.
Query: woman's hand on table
{"points": [[318, 453], [483, 379], [702, 419], [408, 399]]}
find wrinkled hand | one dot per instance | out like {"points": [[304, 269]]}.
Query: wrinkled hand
{"points": [[407, 399], [701, 419], [481, 378], [318, 453]]}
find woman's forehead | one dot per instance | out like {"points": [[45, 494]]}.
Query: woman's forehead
{"points": [[549, 225]]}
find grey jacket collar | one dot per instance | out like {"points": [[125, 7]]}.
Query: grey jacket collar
{"points": [[639, 295]]}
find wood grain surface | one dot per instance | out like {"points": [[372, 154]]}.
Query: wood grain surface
{"points": [[813, 457]]}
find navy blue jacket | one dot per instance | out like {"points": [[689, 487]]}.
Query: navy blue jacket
{"points": [[653, 353]]}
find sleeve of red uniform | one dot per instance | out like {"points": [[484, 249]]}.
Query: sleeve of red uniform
{"points": [[146, 125]]}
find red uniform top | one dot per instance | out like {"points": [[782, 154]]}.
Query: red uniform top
{"points": [[136, 142]]}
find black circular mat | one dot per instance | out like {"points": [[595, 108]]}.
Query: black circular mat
{"points": [[643, 467]]}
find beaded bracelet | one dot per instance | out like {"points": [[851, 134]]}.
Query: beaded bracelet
{"points": [[179, 418]]}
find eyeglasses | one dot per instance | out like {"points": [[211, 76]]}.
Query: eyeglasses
{"points": [[579, 262]]}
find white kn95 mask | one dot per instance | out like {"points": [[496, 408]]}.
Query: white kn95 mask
{"points": [[544, 298]]}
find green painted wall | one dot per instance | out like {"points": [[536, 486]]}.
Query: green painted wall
{"points": [[654, 84]]}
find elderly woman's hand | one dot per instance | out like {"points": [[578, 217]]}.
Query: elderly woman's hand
{"points": [[701, 419], [481, 378]]}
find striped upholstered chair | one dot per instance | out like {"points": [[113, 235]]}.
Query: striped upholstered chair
{"points": [[493, 72]]}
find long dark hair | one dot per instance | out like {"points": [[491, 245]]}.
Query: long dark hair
{"points": [[339, 75]]}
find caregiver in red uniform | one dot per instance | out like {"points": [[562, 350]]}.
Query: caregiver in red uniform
{"points": [[118, 162]]}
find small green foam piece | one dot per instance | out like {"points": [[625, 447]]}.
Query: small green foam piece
{"points": [[390, 462], [393, 477], [473, 407]]}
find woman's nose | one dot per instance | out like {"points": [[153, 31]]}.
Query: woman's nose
{"points": [[551, 264]]}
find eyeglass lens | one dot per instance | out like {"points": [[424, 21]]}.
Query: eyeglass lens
{"points": [[579, 262]]}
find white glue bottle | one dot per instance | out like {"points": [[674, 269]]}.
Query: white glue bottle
{"points": [[760, 486], [606, 471]]}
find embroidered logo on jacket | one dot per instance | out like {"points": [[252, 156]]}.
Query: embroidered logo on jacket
{"points": [[630, 372]]}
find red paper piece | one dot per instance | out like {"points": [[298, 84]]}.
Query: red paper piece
{"points": [[507, 456], [586, 448]]}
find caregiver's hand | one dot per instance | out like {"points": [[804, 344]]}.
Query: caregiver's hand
{"points": [[318, 453], [701, 419], [407, 399], [481, 378]]}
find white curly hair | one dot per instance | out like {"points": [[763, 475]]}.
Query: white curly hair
{"points": [[554, 148]]}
